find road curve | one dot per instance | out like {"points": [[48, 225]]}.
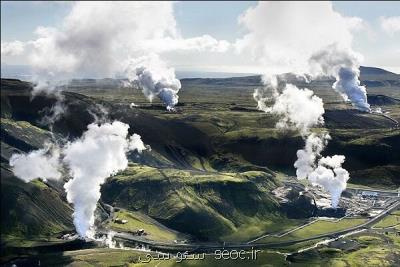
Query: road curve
{"points": [[205, 247]]}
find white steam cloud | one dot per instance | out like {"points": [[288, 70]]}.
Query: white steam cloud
{"points": [[343, 65], [96, 38], [317, 41], [296, 108], [307, 157], [300, 109], [98, 154], [155, 79], [55, 112], [13, 48], [331, 176], [43, 163], [326, 172]]}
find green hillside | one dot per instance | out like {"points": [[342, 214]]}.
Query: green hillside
{"points": [[212, 165], [29, 211]]}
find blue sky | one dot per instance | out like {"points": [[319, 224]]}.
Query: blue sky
{"points": [[218, 19]]}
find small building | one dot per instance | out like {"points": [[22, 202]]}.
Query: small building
{"points": [[120, 221], [369, 194]]}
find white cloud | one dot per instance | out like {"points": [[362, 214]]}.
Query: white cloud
{"points": [[13, 48], [200, 44], [304, 38], [282, 36], [102, 39], [356, 23], [95, 37], [390, 25]]}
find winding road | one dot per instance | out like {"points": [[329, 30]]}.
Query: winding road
{"points": [[206, 247]]}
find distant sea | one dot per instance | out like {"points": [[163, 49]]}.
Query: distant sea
{"points": [[21, 72], [24, 72], [201, 74]]}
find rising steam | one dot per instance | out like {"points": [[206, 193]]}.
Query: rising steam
{"points": [[344, 66], [331, 176], [300, 109], [297, 108], [95, 39], [318, 45], [98, 154], [326, 172], [155, 79], [42, 163], [307, 157], [348, 84]]}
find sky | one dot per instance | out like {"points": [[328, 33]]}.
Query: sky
{"points": [[220, 20]]}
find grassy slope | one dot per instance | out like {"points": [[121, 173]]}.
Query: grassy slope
{"points": [[115, 257], [316, 228], [225, 205], [372, 250], [209, 205], [392, 220], [137, 221], [28, 210], [245, 139], [31, 211], [208, 133], [372, 156]]}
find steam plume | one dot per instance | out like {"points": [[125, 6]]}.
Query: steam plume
{"points": [[98, 154], [319, 44], [95, 39], [155, 79], [326, 172], [297, 108], [343, 65], [56, 111], [307, 157], [301, 109], [43, 163], [331, 176]]}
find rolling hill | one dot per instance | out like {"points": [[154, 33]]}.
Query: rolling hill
{"points": [[215, 161]]}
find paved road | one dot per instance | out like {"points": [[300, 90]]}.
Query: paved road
{"points": [[164, 246]]}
